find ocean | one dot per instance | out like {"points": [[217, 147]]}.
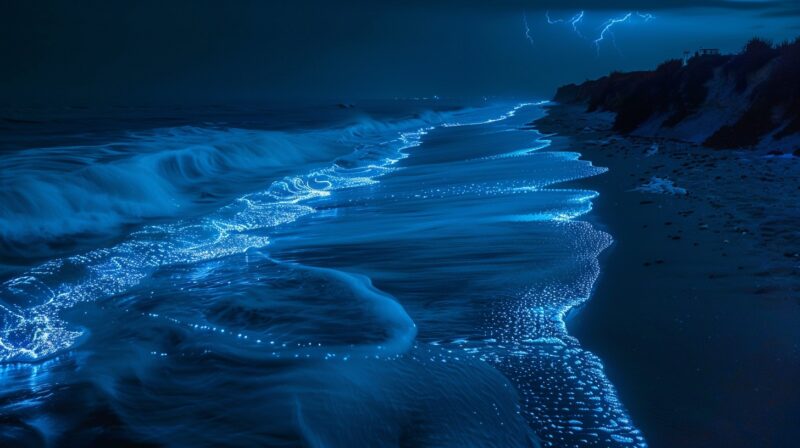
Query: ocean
{"points": [[393, 274]]}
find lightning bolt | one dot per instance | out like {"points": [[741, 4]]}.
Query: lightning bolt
{"points": [[551, 21], [646, 16], [527, 28], [574, 21], [606, 29]]}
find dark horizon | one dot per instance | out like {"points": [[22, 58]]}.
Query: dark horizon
{"points": [[107, 53]]}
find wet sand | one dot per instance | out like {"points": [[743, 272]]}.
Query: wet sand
{"points": [[696, 314]]}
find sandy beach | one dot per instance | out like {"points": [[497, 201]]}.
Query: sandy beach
{"points": [[696, 309]]}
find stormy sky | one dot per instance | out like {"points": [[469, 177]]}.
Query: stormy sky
{"points": [[213, 51]]}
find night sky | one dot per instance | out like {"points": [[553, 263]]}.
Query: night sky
{"points": [[174, 52]]}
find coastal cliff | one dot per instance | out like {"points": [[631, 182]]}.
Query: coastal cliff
{"points": [[745, 100]]}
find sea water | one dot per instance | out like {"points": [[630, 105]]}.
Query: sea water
{"points": [[396, 275]]}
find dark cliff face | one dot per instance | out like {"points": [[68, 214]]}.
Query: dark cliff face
{"points": [[764, 83]]}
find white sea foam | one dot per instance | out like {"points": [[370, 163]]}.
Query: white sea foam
{"points": [[661, 186], [31, 304]]}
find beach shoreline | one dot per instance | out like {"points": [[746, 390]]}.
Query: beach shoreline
{"points": [[696, 308]]}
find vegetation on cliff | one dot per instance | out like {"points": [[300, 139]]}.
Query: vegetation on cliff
{"points": [[763, 81]]}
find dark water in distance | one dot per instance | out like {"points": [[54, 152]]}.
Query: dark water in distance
{"points": [[396, 277]]}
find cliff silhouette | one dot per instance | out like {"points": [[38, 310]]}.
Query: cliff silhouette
{"points": [[745, 100]]}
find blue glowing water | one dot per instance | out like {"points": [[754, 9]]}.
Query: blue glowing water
{"points": [[362, 282]]}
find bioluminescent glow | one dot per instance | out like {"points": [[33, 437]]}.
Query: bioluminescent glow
{"points": [[456, 206], [504, 116], [32, 304], [357, 224]]}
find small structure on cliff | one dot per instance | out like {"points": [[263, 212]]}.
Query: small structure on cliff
{"points": [[707, 52]]}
